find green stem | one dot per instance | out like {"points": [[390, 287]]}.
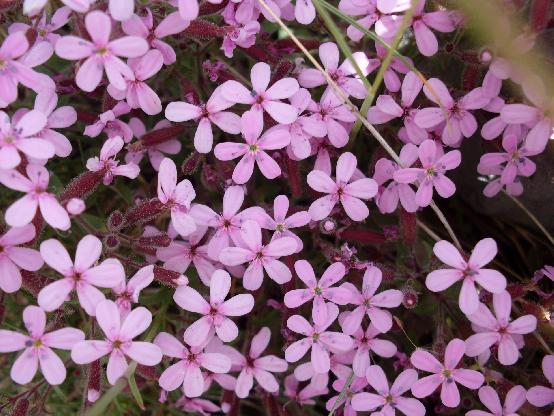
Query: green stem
{"points": [[342, 394]]}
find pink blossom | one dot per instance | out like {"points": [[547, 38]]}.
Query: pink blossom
{"points": [[108, 165], [205, 115], [432, 173], [365, 8], [254, 150], [14, 258], [489, 397], [22, 211], [241, 34], [259, 256], [194, 405], [498, 330], [249, 10], [318, 291], [189, 9], [304, 396], [128, 292], [389, 399], [397, 66], [340, 362], [259, 368], [349, 194], [121, 10], [79, 275], [109, 123], [216, 312], [370, 303], [46, 31], [388, 197], [38, 348], [345, 76], [358, 384], [177, 197], [101, 54], [187, 371], [541, 396], [118, 341], [318, 339], [445, 375], [469, 271], [263, 98], [32, 7], [75, 206], [439, 20]]}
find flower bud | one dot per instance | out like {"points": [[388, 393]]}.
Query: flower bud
{"points": [[82, 185], [202, 29], [409, 297], [111, 242], [94, 376], [115, 221], [144, 212], [21, 407], [328, 225], [75, 206], [191, 163]]}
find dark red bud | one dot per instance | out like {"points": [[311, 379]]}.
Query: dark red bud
{"points": [[470, 77], [34, 282], [115, 221], [409, 297], [144, 212], [165, 276], [155, 137], [94, 375], [408, 226], [147, 372], [294, 180], [161, 240], [205, 30], [210, 8], [261, 54], [21, 407], [516, 290], [111, 242], [541, 11], [282, 70], [81, 186], [192, 163], [362, 236]]}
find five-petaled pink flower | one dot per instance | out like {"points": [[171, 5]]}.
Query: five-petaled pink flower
{"points": [[80, 275], [259, 368], [128, 292], [101, 54], [118, 341], [541, 396], [108, 165], [38, 348], [445, 375], [13, 258], [515, 398], [215, 312], [440, 20], [349, 194], [259, 256], [470, 271]]}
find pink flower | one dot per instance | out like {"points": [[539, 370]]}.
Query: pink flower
{"points": [[263, 98], [254, 150], [358, 384], [238, 34], [143, 26], [349, 194], [128, 292], [137, 92], [498, 330], [22, 137], [440, 20], [470, 272], [216, 312], [459, 122], [101, 54], [345, 76], [446, 374], [118, 341], [45, 30], [370, 303], [205, 115], [318, 339], [320, 291], [489, 397], [304, 396], [32, 7], [22, 211], [109, 123], [187, 371], [121, 10], [38, 348], [13, 258], [177, 197], [389, 399], [189, 9], [260, 257], [79, 275], [541, 396], [387, 199], [432, 173], [108, 165], [259, 368]]}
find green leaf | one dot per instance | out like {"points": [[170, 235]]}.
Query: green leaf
{"points": [[342, 394], [135, 391]]}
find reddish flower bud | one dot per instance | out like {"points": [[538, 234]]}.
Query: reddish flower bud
{"points": [[94, 377], [516, 290], [161, 240], [283, 70], [408, 226], [147, 372], [202, 29], [328, 225], [211, 8], [209, 177], [541, 10], [81, 186], [111, 242], [166, 277], [21, 407], [154, 137], [361, 236], [409, 297], [192, 163], [115, 221], [144, 212], [34, 282], [293, 177]]}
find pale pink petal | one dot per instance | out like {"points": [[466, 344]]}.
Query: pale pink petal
{"points": [[25, 367]]}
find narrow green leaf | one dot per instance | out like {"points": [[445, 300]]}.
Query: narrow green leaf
{"points": [[342, 394], [135, 391]]}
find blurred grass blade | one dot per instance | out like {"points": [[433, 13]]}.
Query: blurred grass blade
{"points": [[135, 391], [342, 394]]}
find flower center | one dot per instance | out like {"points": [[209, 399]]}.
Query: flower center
{"points": [[253, 148], [117, 344]]}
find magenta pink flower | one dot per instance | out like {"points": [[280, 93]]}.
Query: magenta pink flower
{"points": [[338, 401], [260, 257], [498, 330], [263, 98], [318, 291], [432, 173], [259, 368], [370, 303], [177, 197], [515, 398], [349, 194], [440, 20], [14, 258], [79, 275], [118, 341], [470, 272], [318, 339], [108, 165], [216, 312], [22, 211], [241, 34], [541, 396], [38, 348], [445, 375], [187, 371], [128, 292], [254, 150], [32, 7], [389, 399], [205, 115], [304, 396], [101, 54], [110, 124]]}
